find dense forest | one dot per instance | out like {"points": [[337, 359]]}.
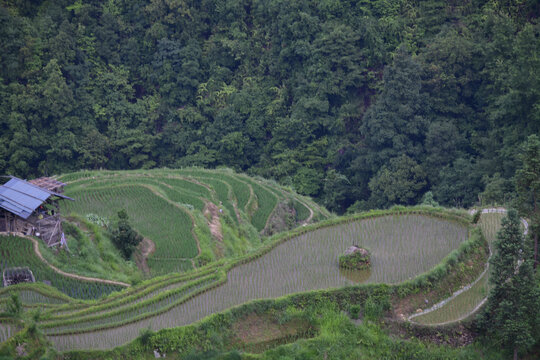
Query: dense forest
{"points": [[360, 104]]}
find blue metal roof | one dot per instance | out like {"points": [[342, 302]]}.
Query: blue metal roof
{"points": [[21, 198]]}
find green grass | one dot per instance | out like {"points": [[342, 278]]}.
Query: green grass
{"points": [[161, 266], [459, 307], [223, 192], [302, 212], [266, 199], [266, 202], [241, 191], [128, 313], [18, 252], [91, 253], [167, 225]]}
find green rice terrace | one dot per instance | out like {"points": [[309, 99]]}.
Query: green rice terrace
{"points": [[192, 214], [464, 303], [235, 224]]}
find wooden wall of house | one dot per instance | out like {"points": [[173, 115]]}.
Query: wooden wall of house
{"points": [[3, 223], [48, 227]]}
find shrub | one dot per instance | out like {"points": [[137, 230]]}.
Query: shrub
{"points": [[124, 237], [355, 259], [354, 311], [476, 216]]}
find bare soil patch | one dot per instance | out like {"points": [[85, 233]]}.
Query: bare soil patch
{"points": [[211, 212], [144, 250]]}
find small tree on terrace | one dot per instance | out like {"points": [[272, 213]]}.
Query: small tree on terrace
{"points": [[511, 316], [124, 237]]}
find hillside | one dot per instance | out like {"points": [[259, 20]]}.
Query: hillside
{"points": [[192, 216], [225, 155], [326, 96], [302, 260]]}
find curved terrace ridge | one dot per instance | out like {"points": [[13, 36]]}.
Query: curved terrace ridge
{"points": [[403, 246]]}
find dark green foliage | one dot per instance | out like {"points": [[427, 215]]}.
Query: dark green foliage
{"points": [[400, 182], [354, 311], [316, 94], [146, 336], [528, 188], [14, 306], [428, 200], [511, 316], [476, 216], [123, 236], [357, 260]]}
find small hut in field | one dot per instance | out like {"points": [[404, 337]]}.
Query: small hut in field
{"points": [[31, 208]]}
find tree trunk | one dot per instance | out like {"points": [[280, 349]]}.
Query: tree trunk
{"points": [[515, 354]]}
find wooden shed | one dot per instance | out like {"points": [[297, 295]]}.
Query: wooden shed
{"points": [[31, 209]]}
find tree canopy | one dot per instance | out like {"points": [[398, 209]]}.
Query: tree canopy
{"points": [[319, 95]]}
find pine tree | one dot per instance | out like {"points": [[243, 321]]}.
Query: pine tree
{"points": [[511, 316], [528, 188]]}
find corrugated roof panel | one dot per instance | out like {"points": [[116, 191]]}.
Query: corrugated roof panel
{"points": [[27, 189], [13, 208], [21, 198]]}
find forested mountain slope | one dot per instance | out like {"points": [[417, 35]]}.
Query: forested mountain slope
{"points": [[369, 101]]}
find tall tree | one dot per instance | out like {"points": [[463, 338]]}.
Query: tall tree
{"points": [[396, 124], [528, 188], [401, 181], [511, 315]]}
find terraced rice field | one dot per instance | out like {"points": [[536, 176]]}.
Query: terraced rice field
{"points": [[462, 305], [155, 217], [7, 331], [162, 206], [402, 247], [19, 252]]}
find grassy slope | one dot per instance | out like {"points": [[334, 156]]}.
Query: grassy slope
{"points": [[18, 252]]}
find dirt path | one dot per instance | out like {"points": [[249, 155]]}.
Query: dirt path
{"points": [[215, 225], [73, 276], [145, 249]]}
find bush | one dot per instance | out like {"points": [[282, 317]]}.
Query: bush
{"points": [[476, 216], [146, 336], [123, 236], [354, 311], [358, 259]]}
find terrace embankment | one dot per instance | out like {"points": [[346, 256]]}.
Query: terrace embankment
{"points": [[469, 299], [403, 246]]}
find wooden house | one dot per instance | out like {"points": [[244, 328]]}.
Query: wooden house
{"points": [[31, 208]]}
